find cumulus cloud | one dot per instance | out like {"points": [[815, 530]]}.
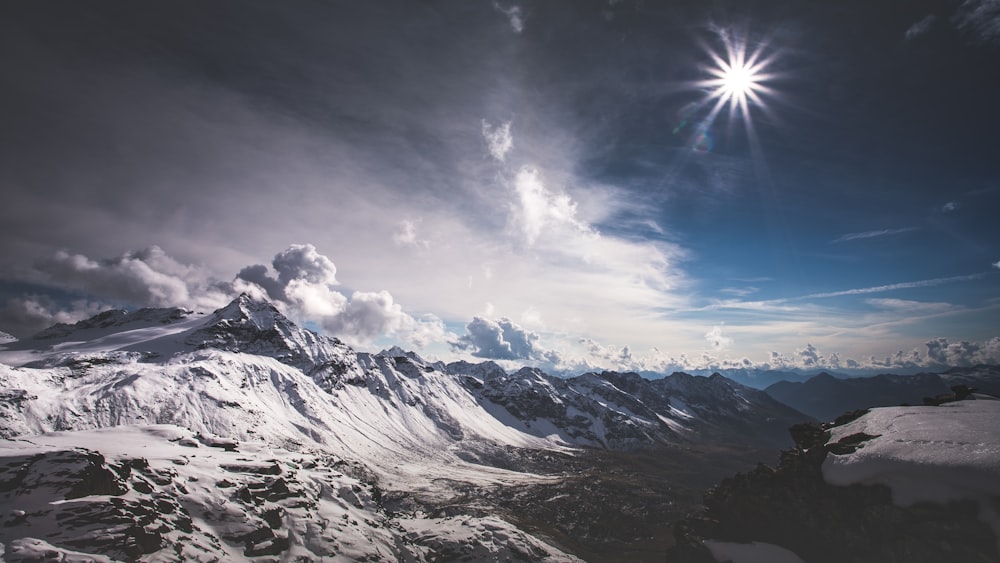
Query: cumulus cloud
{"points": [[304, 283], [809, 356], [979, 20], [716, 339], [368, 315], [514, 15], [997, 264], [872, 234], [963, 353], [303, 280], [949, 207], [502, 340], [919, 28], [498, 138]]}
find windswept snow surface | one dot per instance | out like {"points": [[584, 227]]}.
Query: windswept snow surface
{"points": [[935, 454]]}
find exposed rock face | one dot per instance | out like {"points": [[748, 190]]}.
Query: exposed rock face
{"points": [[627, 411], [792, 506]]}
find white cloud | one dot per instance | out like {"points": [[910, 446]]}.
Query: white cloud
{"points": [[920, 27], [369, 315], [963, 353], [538, 209], [910, 306], [872, 234], [809, 356], [532, 317], [997, 264], [716, 339], [406, 235], [499, 140], [949, 207], [894, 286], [740, 291], [304, 285], [514, 15]]}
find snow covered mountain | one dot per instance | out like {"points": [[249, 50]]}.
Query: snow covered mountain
{"points": [[218, 416], [623, 410]]}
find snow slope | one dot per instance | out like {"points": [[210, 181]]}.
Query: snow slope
{"points": [[163, 493], [935, 454], [120, 386]]}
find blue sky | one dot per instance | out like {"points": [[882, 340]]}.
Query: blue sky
{"points": [[535, 182]]}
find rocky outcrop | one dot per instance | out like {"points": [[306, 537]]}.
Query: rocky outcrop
{"points": [[792, 506]]}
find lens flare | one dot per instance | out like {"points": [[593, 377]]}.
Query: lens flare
{"points": [[737, 78]]}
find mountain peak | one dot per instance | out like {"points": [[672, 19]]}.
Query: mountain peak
{"points": [[245, 308]]}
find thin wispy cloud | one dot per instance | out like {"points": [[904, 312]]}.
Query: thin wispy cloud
{"points": [[498, 138], [893, 286], [910, 306], [872, 234], [406, 235], [514, 14], [979, 20], [739, 291], [920, 28], [781, 304]]}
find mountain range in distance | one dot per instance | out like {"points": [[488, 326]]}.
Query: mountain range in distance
{"points": [[254, 438]]}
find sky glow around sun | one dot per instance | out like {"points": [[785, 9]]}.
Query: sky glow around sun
{"points": [[738, 79]]}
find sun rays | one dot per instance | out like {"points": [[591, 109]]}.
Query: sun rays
{"points": [[737, 78]]}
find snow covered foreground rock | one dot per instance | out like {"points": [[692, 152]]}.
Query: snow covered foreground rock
{"points": [[917, 484], [163, 493], [252, 437]]}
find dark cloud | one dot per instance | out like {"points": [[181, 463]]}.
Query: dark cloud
{"points": [[979, 20], [147, 278], [26, 315], [301, 283], [500, 340], [298, 264]]}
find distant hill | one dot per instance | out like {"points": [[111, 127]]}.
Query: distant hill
{"points": [[825, 397]]}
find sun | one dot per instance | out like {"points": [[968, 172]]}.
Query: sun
{"points": [[737, 78]]}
